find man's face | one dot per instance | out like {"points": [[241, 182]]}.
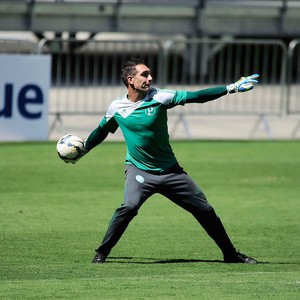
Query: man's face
{"points": [[141, 81]]}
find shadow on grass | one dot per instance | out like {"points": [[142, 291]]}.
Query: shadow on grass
{"points": [[144, 260], [135, 260]]}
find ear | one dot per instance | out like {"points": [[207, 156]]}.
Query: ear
{"points": [[130, 79]]}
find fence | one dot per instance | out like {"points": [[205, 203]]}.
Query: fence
{"points": [[293, 80], [86, 77], [209, 62]]}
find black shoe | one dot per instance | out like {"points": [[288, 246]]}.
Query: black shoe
{"points": [[99, 258], [240, 258]]}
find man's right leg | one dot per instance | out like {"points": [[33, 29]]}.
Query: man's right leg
{"points": [[136, 192], [117, 226]]}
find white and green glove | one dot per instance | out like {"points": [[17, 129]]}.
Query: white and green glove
{"points": [[244, 84], [81, 152]]}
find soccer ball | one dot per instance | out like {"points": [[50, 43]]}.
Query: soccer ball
{"points": [[70, 148]]}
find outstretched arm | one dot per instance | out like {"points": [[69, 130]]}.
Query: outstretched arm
{"points": [[97, 136], [206, 95], [244, 84]]}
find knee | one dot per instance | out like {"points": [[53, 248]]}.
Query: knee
{"points": [[203, 212], [128, 210]]}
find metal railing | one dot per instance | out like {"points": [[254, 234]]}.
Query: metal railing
{"points": [[86, 74], [293, 78], [293, 82], [208, 62], [187, 64]]}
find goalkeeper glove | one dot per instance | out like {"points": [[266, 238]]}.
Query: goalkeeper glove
{"points": [[244, 84], [81, 152]]}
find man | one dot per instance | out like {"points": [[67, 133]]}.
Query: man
{"points": [[151, 166]]}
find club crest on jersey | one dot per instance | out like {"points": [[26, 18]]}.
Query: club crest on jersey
{"points": [[150, 111]]}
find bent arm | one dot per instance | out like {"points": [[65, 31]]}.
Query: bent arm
{"points": [[206, 95], [96, 137]]}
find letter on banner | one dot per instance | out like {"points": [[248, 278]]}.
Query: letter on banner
{"points": [[24, 90]]}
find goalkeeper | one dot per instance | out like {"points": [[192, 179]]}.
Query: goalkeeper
{"points": [[150, 164]]}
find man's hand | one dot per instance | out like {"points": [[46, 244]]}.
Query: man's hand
{"points": [[82, 151], [244, 84]]}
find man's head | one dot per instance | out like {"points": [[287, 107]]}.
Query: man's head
{"points": [[137, 75]]}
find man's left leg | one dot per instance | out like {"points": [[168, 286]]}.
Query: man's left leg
{"points": [[184, 192]]}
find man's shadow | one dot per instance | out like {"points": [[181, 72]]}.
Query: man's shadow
{"points": [[148, 260], [143, 260]]}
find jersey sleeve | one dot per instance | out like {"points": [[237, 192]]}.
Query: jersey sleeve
{"points": [[170, 98], [108, 122], [205, 95], [109, 125], [97, 136], [179, 98]]}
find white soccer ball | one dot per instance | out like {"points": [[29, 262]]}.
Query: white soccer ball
{"points": [[70, 148]]}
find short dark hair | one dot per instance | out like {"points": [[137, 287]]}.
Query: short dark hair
{"points": [[129, 68]]}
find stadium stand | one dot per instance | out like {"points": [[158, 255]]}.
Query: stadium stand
{"points": [[256, 18]]}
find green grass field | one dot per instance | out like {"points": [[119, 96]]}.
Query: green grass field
{"points": [[53, 215]]}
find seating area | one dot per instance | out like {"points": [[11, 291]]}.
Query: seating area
{"points": [[192, 18]]}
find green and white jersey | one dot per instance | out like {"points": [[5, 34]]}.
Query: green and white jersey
{"points": [[145, 129]]}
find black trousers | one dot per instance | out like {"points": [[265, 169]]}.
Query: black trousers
{"points": [[177, 186]]}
